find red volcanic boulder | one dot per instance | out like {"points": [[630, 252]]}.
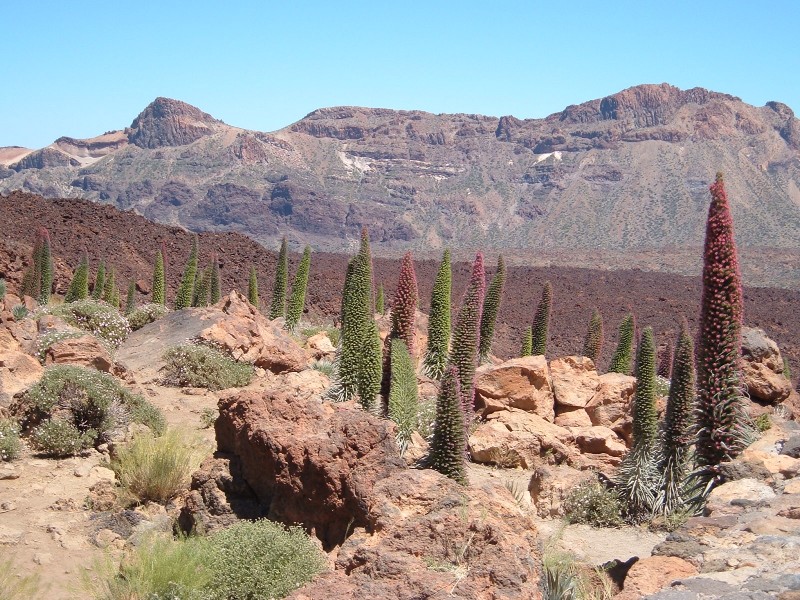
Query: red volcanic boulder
{"points": [[85, 350], [309, 462]]}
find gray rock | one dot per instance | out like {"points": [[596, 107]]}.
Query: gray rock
{"points": [[792, 447], [707, 586], [738, 469]]}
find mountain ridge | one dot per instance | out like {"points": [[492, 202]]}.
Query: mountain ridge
{"points": [[626, 172]]}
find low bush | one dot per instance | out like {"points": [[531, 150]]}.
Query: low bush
{"points": [[762, 423], [72, 408], [208, 416], [2, 289], [249, 560], [261, 559], [325, 366], [9, 440], [156, 468], [196, 365], [592, 503], [159, 568], [19, 312], [43, 342], [97, 317], [60, 438], [565, 578], [146, 314]]}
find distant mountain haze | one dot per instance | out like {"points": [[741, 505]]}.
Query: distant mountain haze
{"points": [[617, 182]]}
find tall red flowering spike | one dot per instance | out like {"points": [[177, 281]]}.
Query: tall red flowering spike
{"points": [[464, 353], [720, 405], [404, 304]]}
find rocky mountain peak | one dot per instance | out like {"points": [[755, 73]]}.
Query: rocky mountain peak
{"points": [[168, 122], [647, 105]]}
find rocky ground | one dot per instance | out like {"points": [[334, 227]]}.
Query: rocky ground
{"points": [[393, 531]]}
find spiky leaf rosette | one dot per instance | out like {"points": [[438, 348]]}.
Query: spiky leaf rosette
{"points": [[435, 359], [527, 342], [404, 304], [638, 474], [215, 292], [448, 446], [186, 289], [490, 307], [720, 410], [665, 361], [109, 286], [45, 268], [403, 405], [380, 301], [541, 320], [593, 342], [464, 353], [79, 286], [159, 294], [677, 436], [252, 288], [99, 281], [297, 300], [278, 304], [621, 361], [130, 298]]}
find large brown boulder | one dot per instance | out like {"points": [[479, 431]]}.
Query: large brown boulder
{"points": [[761, 367], [86, 351], [551, 484], [308, 462], [611, 404], [522, 383], [575, 381], [233, 323], [18, 372], [516, 438]]}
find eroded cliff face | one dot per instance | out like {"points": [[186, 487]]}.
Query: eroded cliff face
{"points": [[629, 171]]}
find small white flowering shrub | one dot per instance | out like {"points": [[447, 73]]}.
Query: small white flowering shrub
{"points": [[145, 314], [72, 408], [97, 317], [592, 503], [197, 365], [9, 440]]}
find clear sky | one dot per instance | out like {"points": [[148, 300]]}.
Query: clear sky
{"points": [[82, 67]]}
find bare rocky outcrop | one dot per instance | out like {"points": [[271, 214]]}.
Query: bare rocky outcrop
{"points": [[233, 324], [18, 372], [397, 532], [762, 368], [167, 122], [522, 383], [86, 351]]}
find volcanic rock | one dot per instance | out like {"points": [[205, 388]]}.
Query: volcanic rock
{"points": [[522, 383], [85, 350]]}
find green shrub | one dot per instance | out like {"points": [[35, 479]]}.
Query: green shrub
{"points": [[59, 438], [72, 408], [248, 561], [9, 440], [159, 568], [156, 468], [19, 312], [98, 318], [762, 422], [2, 289], [196, 365], [208, 416], [592, 503], [43, 342], [564, 578], [146, 314], [261, 559], [325, 366]]}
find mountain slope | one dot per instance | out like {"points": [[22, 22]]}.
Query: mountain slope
{"points": [[593, 182]]}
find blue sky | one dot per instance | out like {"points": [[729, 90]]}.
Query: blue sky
{"points": [[84, 67]]}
